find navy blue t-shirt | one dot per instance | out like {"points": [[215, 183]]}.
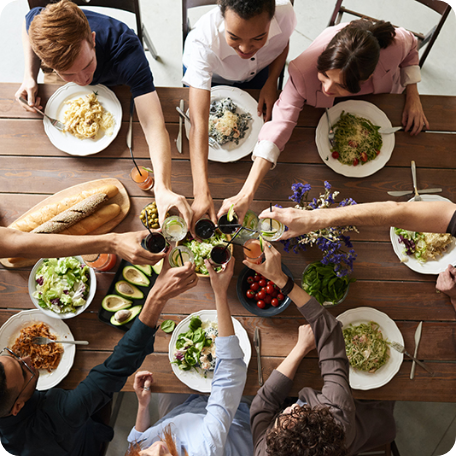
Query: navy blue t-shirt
{"points": [[120, 56]]}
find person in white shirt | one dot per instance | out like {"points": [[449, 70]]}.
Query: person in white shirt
{"points": [[242, 43]]}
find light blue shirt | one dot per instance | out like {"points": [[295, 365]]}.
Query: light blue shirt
{"points": [[217, 425]]}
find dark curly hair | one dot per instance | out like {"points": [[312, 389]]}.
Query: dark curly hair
{"points": [[246, 9], [307, 431], [355, 50]]}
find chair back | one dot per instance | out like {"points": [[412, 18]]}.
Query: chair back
{"points": [[186, 5]]}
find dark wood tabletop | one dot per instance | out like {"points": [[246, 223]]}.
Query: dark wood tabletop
{"points": [[32, 169]]}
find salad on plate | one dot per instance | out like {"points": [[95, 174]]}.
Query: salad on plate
{"points": [[62, 284]]}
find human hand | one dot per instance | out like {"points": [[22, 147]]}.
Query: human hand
{"points": [[220, 281], [298, 221], [128, 247], [166, 199], [29, 91], [201, 206], [272, 267], [446, 283], [268, 96], [240, 203], [141, 385], [413, 118], [306, 340]]}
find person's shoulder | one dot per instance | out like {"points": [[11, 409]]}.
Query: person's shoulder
{"points": [[208, 24], [284, 11]]}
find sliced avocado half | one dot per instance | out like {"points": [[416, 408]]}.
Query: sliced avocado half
{"points": [[147, 269], [113, 303], [123, 316], [135, 276], [127, 290], [158, 267]]}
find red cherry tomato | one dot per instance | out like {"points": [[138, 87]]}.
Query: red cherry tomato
{"points": [[261, 294], [280, 297], [353, 144], [335, 154], [250, 279], [355, 162], [275, 293], [275, 287], [254, 286], [269, 289], [250, 294], [275, 302], [363, 156], [270, 282], [257, 278], [261, 304], [256, 297], [377, 152], [267, 299], [262, 283]]}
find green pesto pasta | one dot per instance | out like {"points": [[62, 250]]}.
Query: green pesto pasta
{"points": [[366, 348], [357, 140]]}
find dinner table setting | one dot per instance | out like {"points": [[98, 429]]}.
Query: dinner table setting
{"points": [[41, 166]]}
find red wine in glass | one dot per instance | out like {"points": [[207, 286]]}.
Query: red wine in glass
{"points": [[220, 255], [205, 228], [155, 243]]}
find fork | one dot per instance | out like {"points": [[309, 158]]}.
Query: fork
{"points": [[54, 122], [44, 341], [417, 195], [401, 349], [330, 130]]}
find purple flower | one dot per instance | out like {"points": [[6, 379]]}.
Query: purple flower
{"points": [[327, 185]]}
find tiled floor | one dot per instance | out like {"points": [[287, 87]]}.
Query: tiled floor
{"points": [[424, 429]]}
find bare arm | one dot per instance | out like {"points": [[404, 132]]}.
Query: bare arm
{"points": [[199, 150], [153, 124], [413, 118], [432, 217]]}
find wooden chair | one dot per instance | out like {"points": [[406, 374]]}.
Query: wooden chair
{"points": [[386, 450], [423, 39], [187, 4], [132, 6]]}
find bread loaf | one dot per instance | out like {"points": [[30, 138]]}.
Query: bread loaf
{"points": [[46, 213], [94, 221]]}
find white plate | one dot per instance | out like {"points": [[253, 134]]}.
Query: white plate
{"points": [[429, 267], [12, 328], [50, 313], [362, 109], [364, 380], [56, 108], [231, 152], [194, 379]]}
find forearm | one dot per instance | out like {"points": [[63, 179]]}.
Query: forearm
{"points": [[275, 68], [152, 308], [225, 323], [290, 364], [142, 418], [256, 175], [411, 91]]}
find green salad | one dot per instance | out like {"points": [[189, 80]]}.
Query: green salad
{"points": [[366, 348], [62, 284], [202, 250], [196, 347]]}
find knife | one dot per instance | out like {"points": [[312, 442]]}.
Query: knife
{"points": [[410, 192], [179, 136], [330, 130], [257, 345], [442, 132], [417, 343], [130, 126], [388, 131]]}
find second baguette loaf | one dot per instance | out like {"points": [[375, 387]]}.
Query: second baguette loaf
{"points": [[94, 221]]}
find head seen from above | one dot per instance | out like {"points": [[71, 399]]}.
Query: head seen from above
{"points": [[247, 24], [61, 37], [352, 55], [303, 430], [18, 379]]}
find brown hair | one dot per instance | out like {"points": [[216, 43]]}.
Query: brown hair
{"points": [[307, 431], [355, 51], [56, 34], [134, 448]]}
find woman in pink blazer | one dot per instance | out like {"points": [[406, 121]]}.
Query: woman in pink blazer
{"points": [[358, 58]]}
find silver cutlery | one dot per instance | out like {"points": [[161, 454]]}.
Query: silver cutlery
{"points": [[388, 131], [410, 192], [44, 341], [442, 132], [417, 197], [257, 345], [417, 343], [54, 122], [400, 348], [212, 142], [179, 136], [330, 130]]}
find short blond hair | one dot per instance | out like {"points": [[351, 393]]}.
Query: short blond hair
{"points": [[56, 34]]}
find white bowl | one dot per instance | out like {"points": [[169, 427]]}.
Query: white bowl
{"points": [[50, 313]]}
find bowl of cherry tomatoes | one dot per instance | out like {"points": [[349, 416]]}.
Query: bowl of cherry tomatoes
{"points": [[259, 295]]}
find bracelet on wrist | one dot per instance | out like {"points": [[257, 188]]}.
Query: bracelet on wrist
{"points": [[288, 286]]}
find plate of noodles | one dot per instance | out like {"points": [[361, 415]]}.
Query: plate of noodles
{"points": [[92, 116], [355, 124], [54, 361]]}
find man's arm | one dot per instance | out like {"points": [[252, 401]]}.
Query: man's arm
{"points": [[150, 116], [200, 100], [431, 217]]}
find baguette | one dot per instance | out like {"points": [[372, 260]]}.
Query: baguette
{"points": [[46, 213], [73, 215]]}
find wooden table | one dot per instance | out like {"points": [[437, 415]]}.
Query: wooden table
{"points": [[32, 168]]}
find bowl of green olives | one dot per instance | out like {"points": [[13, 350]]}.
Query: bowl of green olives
{"points": [[152, 216]]}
